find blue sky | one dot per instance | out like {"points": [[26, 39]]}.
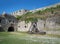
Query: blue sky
{"points": [[12, 5]]}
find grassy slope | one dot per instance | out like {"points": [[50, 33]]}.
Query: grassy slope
{"points": [[23, 38]]}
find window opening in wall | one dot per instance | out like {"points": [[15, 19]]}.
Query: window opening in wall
{"points": [[13, 21], [9, 20], [25, 10], [25, 26], [19, 10]]}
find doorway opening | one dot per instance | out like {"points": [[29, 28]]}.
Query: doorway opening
{"points": [[11, 29]]}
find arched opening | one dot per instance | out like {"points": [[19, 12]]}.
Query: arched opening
{"points": [[11, 29]]}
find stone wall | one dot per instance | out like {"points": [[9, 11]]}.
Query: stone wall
{"points": [[53, 22], [7, 20], [49, 23], [40, 24], [22, 26]]}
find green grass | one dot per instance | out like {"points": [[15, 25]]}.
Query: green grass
{"points": [[24, 38]]}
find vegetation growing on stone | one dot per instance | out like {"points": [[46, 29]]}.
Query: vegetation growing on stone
{"points": [[40, 14]]}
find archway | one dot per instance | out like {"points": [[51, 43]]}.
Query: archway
{"points": [[11, 29]]}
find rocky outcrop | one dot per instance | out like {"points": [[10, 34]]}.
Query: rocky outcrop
{"points": [[53, 22], [6, 20]]}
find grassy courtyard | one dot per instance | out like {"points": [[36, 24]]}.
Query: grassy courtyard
{"points": [[24, 38]]}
